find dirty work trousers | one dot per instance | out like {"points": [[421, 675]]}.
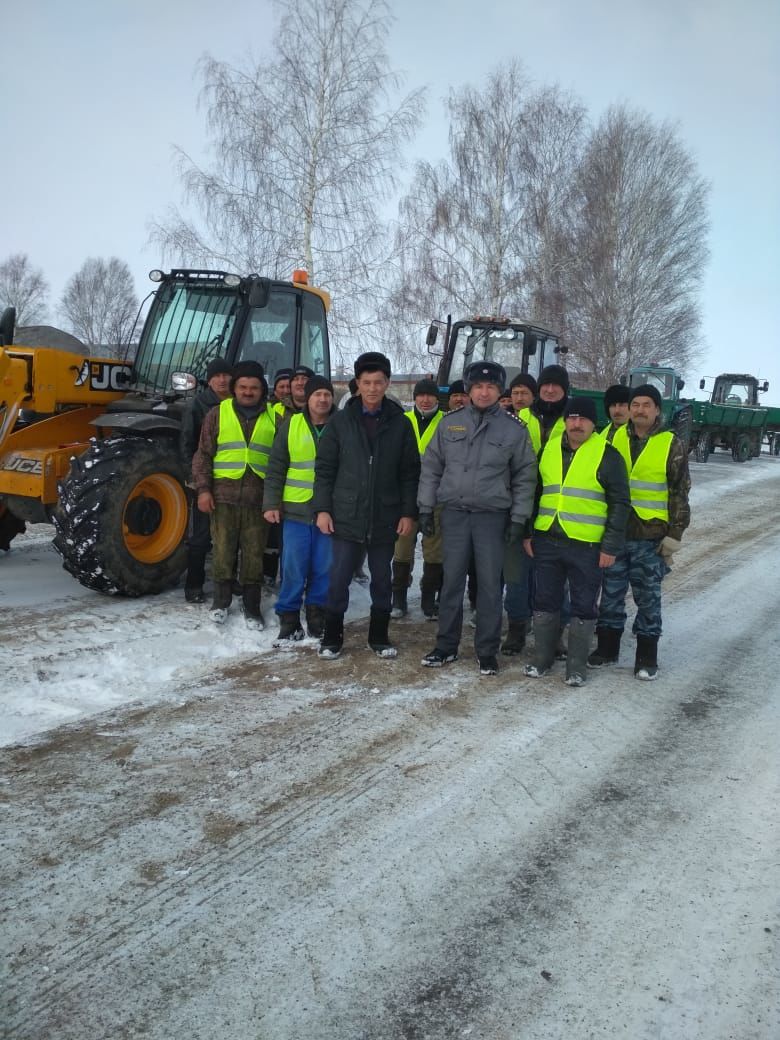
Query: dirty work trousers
{"points": [[462, 534], [518, 582], [306, 559], [234, 528], [639, 566], [346, 557]]}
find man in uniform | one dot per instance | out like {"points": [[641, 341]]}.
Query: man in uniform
{"points": [[480, 468], [578, 530], [425, 417], [229, 469], [218, 375], [659, 482], [365, 492], [289, 488]]}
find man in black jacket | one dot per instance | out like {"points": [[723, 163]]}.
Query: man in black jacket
{"points": [[365, 494], [218, 376]]}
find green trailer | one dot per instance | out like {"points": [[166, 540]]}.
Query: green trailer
{"points": [[732, 419]]}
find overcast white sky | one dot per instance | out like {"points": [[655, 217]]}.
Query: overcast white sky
{"points": [[96, 93]]}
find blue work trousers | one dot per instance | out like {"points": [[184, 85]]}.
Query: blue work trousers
{"points": [[306, 559], [562, 560], [347, 557]]}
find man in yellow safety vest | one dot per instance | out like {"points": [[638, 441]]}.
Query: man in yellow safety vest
{"points": [[578, 529], [229, 470]]}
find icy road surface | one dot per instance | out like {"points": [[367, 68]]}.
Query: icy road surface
{"points": [[213, 841]]}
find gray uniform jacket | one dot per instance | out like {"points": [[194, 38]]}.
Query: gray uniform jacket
{"points": [[481, 463]]}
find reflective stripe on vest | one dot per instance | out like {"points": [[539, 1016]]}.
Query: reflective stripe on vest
{"points": [[299, 484], [233, 453], [647, 476], [425, 440], [578, 502], [535, 428]]}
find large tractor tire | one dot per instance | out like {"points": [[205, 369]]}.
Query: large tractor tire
{"points": [[743, 449], [10, 527], [122, 517]]}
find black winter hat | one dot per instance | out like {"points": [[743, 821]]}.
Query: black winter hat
{"points": [[646, 390], [525, 379], [426, 386], [458, 387], [585, 407], [303, 370], [555, 374], [484, 372], [372, 361], [282, 373], [218, 367], [616, 394], [317, 383]]}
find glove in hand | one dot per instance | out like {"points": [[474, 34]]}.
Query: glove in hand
{"points": [[426, 524], [668, 547], [514, 533]]}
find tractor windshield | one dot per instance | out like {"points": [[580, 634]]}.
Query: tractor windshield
{"points": [[504, 345], [269, 335], [187, 326]]}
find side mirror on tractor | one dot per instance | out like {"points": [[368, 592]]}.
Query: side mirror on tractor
{"points": [[431, 336], [530, 343]]}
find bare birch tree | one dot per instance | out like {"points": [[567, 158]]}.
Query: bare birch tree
{"points": [[637, 249], [24, 287], [100, 305], [306, 148], [478, 232]]}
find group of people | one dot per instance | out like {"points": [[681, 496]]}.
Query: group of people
{"points": [[513, 489]]}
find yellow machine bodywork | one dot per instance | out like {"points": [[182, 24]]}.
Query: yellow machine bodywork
{"points": [[48, 398]]}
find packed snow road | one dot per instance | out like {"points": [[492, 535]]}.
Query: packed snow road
{"points": [[263, 845]]}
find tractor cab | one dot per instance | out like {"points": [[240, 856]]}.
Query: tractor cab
{"points": [[665, 380]]}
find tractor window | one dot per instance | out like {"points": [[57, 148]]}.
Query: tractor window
{"points": [[269, 335], [502, 345], [187, 326], [735, 393]]}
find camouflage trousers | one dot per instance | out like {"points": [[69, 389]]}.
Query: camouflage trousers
{"points": [[639, 566], [235, 528]]}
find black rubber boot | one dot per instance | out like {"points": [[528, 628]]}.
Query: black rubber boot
{"points": [[515, 639], [402, 576], [378, 638], [332, 636], [290, 629], [315, 620], [430, 586], [607, 649], [580, 636], [253, 615], [547, 629], [223, 597], [646, 662], [196, 576]]}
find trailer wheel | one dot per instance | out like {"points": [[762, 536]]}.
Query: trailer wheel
{"points": [[122, 517], [703, 447], [742, 449]]}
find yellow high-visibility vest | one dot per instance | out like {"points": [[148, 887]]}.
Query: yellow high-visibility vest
{"points": [[578, 500], [425, 440], [299, 485], [535, 428], [233, 453], [647, 476]]}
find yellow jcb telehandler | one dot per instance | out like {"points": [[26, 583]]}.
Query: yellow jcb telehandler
{"points": [[92, 444]]}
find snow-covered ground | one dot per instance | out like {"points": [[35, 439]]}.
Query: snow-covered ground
{"points": [[213, 839]]}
